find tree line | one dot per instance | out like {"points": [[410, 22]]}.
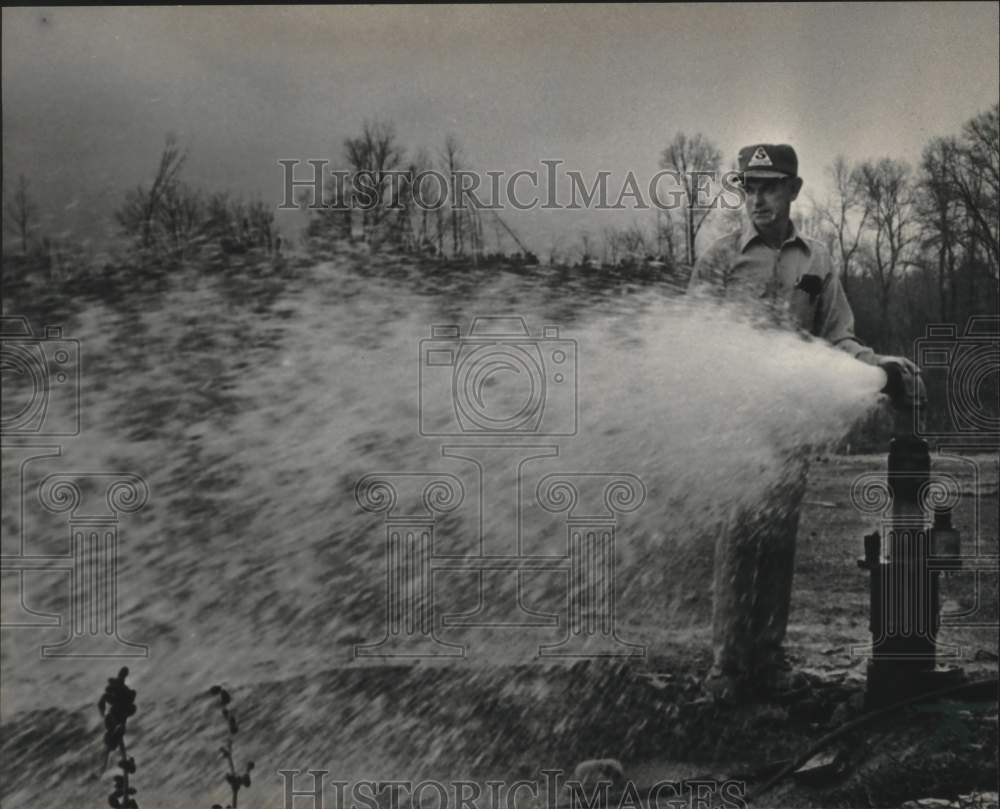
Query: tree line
{"points": [[917, 244], [167, 216], [441, 225], [913, 244]]}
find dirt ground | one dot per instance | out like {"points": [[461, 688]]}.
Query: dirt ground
{"points": [[247, 569]]}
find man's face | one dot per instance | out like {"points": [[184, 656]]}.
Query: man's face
{"points": [[769, 200]]}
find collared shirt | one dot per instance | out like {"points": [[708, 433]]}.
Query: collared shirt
{"points": [[798, 280]]}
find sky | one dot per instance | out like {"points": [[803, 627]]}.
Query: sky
{"points": [[89, 94]]}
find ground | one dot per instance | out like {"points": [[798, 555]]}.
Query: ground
{"points": [[251, 411]]}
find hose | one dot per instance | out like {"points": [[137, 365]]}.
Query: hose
{"points": [[991, 683]]}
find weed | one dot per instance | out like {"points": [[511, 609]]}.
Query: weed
{"points": [[235, 780], [116, 705]]}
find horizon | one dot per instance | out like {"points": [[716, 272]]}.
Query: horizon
{"points": [[91, 93]]}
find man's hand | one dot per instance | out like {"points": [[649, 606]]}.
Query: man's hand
{"points": [[905, 384]]}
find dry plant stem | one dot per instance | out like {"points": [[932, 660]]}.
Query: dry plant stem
{"points": [[227, 752], [124, 751], [233, 778]]}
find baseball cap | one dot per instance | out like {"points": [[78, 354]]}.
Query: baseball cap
{"points": [[768, 160]]}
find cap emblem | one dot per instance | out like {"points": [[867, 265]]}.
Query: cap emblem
{"points": [[759, 158]]}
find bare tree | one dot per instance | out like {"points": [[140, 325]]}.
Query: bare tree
{"points": [[472, 222], [689, 157], [180, 214], [975, 176], [373, 157], [331, 221], [260, 217], [451, 159], [666, 236], [940, 214], [890, 199], [556, 252], [219, 225], [21, 212], [586, 248], [846, 212], [633, 240], [138, 214], [612, 245], [429, 196]]}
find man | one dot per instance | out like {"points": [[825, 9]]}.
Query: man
{"points": [[793, 277]]}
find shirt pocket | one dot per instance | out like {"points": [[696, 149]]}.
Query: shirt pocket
{"points": [[804, 301]]}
